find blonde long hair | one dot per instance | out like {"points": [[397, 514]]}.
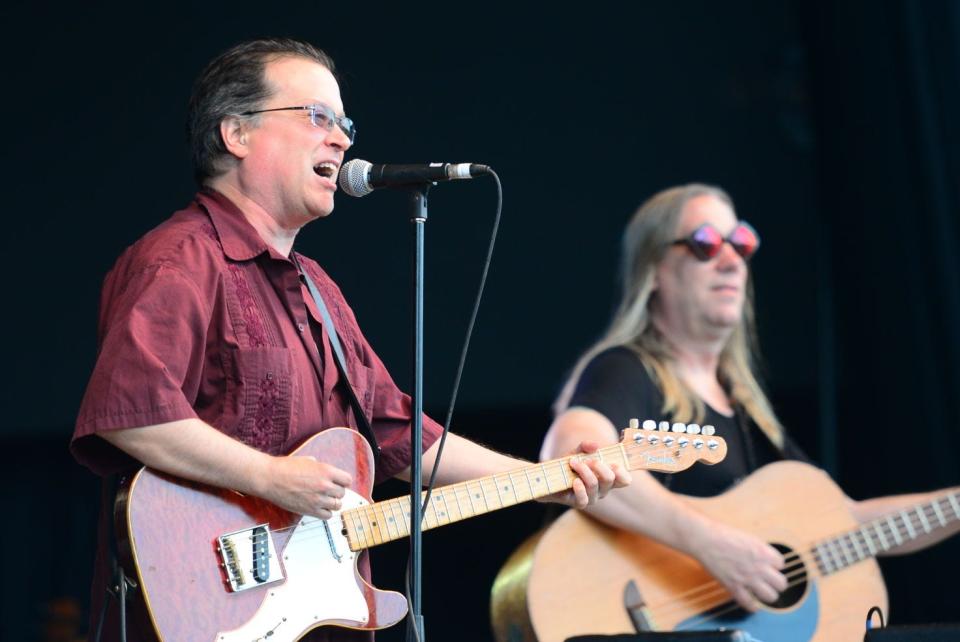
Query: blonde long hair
{"points": [[645, 243]]}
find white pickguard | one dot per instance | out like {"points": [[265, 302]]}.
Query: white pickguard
{"points": [[317, 588]]}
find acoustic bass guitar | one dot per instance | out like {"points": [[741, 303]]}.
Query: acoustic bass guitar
{"points": [[580, 577]]}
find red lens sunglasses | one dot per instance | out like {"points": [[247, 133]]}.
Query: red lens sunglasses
{"points": [[705, 241]]}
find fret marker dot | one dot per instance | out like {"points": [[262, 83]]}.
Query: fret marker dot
{"points": [[506, 488]]}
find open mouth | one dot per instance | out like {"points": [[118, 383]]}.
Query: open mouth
{"points": [[325, 169]]}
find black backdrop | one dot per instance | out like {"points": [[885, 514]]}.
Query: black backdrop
{"points": [[833, 125]]}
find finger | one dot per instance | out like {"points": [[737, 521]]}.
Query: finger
{"points": [[581, 498], [588, 447], [324, 514], [774, 557], [774, 579], [605, 478], [745, 599], [589, 479], [624, 478], [764, 592], [340, 477]]}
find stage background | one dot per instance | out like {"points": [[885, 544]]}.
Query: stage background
{"points": [[833, 125]]}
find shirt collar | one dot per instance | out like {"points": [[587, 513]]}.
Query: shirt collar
{"points": [[240, 240]]}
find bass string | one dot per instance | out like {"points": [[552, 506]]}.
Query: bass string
{"points": [[713, 590]]}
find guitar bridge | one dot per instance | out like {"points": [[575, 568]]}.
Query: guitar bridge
{"points": [[249, 558]]}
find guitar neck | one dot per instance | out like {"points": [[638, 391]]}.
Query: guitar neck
{"points": [[884, 533], [385, 521]]}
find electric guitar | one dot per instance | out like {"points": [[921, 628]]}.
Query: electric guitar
{"points": [[581, 577], [218, 566]]}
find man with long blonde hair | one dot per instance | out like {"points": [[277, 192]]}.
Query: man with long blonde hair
{"points": [[681, 347]]}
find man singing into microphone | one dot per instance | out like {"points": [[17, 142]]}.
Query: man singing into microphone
{"points": [[214, 358]]}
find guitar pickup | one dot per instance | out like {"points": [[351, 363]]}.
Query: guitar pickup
{"points": [[249, 558]]}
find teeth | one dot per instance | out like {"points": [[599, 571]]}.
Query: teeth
{"points": [[325, 169]]}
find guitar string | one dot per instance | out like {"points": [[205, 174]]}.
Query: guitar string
{"points": [[717, 589], [798, 575], [552, 475]]}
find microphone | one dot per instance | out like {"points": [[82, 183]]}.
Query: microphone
{"points": [[359, 178]]}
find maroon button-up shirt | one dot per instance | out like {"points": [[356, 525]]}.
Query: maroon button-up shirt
{"points": [[201, 318]]}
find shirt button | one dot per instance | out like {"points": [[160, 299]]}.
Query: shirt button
{"points": [[300, 327]]}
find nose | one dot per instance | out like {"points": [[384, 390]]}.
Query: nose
{"points": [[728, 259], [336, 138]]}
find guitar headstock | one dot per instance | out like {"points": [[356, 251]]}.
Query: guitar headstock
{"points": [[669, 448]]}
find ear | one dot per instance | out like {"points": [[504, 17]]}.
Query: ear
{"points": [[234, 132]]}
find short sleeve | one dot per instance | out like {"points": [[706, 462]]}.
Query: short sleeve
{"points": [[616, 384], [153, 328]]}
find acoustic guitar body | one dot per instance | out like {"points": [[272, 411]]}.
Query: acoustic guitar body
{"points": [[576, 572]]}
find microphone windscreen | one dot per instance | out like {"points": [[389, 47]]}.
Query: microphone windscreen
{"points": [[353, 177]]}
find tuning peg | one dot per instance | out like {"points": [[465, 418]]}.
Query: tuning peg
{"points": [[682, 442], [653, 440], [664, 425], [649, 424], [712, 444], [709, 430], [698, 443], [678, 427], [634, 423], [668, 441], [693, 429]]}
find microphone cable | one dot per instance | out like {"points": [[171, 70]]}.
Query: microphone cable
{"points": [[411, 625]]}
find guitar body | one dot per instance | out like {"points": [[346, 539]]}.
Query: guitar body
{"points": [[171, 532], [576, 572]]}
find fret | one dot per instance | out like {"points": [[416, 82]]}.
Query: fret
{"points": [[546, 478], [483, 493], [856, 546], [923, 519], [939, 512], [368, 535], [824, 559], [381, 523], [496, 485], [834, 552], [894, 530], [623, 455], [879, 532], [471, 494], [563, 471], [456, 498], [439, 497], [869, 540], [376, 526], [953, 503], [845, 550], [526, 475], [510, 489], [388, 520], [403, 525], [909, 524], [426, 512], [513, 485], [357, 534]]}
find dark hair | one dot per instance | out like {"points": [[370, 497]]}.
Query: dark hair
{"points": [[231, 84]]}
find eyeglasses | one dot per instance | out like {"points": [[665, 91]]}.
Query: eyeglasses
{"points": [[320, 115], [705, 241]]}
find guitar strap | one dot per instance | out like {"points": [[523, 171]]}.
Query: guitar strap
{"points": [[362, 423]]}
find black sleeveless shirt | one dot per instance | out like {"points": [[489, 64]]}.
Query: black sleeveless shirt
{"points": [[616, 384]]}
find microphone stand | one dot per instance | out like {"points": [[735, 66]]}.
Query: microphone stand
{"points": [[418, 217]]}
